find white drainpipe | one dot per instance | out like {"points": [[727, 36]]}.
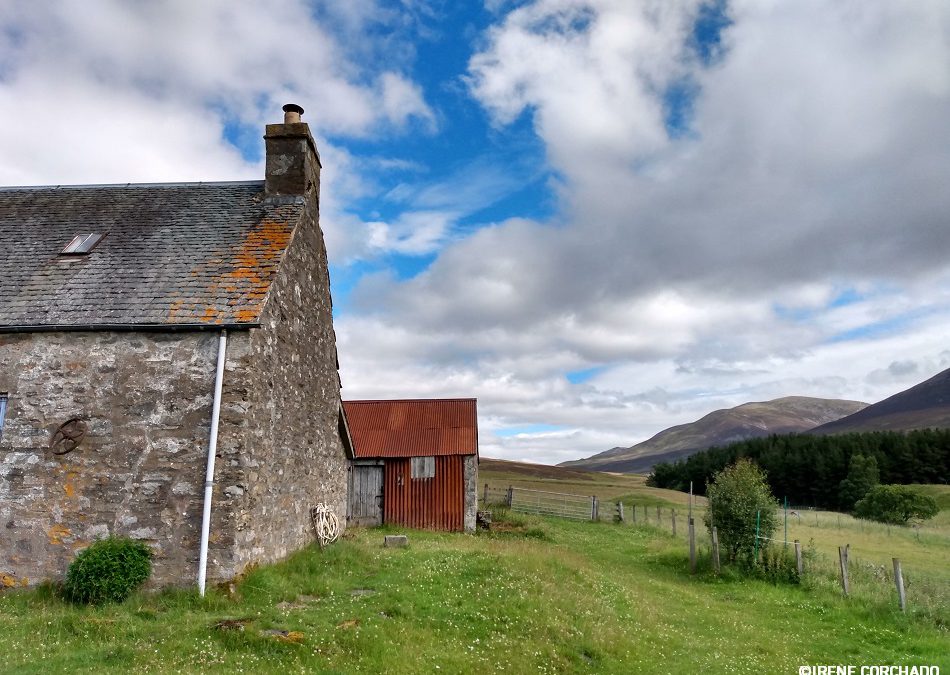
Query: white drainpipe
{"points": [[209, 472]]}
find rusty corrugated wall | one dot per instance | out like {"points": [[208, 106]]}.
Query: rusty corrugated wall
{"points": [[436, 503]]}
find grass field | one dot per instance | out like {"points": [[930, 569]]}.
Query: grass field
{"points": [[534, 595], [500, 474], [828, 529], [924, 551]]}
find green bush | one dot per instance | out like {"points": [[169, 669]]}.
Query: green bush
{"points": [[778, 564], [738, 495], [895, 504], [108, 571]]}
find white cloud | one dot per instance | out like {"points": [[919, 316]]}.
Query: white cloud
{"points": [[792, 241], [111, 91], [402, 99], [701, 270], [236, 62], [108, 136]]}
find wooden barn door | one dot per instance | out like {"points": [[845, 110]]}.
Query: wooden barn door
{"points": [[366, 497]]}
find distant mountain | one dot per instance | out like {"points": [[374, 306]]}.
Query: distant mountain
{"points": [[721, 427], [923, 406]]}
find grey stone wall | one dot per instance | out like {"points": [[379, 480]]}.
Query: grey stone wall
{"points": [[471, 492], [146, 398], [279, 440]]}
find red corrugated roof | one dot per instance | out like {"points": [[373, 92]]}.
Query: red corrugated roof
{"points": [[413, 428]]}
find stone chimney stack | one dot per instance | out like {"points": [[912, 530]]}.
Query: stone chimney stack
{"points": [[293, 165]]}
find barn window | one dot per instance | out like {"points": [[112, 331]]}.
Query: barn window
{"points": [[423, 467]]}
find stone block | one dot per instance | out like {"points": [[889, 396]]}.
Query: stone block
{"points": [[395, 541]]}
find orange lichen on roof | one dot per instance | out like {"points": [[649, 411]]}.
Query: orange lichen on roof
{"points": [[175, 308], [259, 255], [238, 293], [248, 315]]}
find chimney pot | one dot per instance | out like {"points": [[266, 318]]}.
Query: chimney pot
{"points": [[292, 113], [292, 165]]}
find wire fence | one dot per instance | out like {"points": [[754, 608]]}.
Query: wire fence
{"points": [[493, 495], [874, 573]]}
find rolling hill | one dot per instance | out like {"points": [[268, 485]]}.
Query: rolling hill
{"points": [[721, 427], [923, 406]]}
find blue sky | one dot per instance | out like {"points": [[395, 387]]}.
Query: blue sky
{"points": [[601, 217]]}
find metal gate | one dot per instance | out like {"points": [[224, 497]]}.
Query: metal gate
{"points": [[366, 494]]}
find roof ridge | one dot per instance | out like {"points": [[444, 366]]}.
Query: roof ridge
{"points": [[406, 400], [12, 188]]}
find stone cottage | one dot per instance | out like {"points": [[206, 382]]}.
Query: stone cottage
{"points": [[163, 343]]}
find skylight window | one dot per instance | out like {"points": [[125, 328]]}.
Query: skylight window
{"points": [[82, 243]]}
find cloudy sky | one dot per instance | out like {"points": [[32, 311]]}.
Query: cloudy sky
{"points": [[600, 218]]}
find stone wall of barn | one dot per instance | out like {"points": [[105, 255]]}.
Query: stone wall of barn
{"points": [[138, 472], [280, 445], [471, 492]]}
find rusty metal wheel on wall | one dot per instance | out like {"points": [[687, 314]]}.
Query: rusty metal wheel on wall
{"points": [[68, 436]]}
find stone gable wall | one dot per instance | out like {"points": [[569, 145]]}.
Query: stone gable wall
{"points": [[279, 445]]}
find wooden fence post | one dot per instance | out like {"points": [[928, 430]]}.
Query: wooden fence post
{"points": [[715, 550], [633, 512], [843, 564], [692, 547], [657, 516], [620, 511], [899, 580], [798, 556], [593, 508], [673, 520], [485, 498], [508, 497]]}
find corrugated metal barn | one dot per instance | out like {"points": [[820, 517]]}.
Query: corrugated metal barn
{"points": [[415, 463]]}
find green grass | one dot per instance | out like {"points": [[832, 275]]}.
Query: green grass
{"points": [[535, 595], [939, 492]]}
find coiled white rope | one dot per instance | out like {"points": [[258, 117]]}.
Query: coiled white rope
{"points": [[325, 524]]}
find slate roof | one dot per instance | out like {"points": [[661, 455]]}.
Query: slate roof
{"points": [[413, 428], [173, 254]]}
